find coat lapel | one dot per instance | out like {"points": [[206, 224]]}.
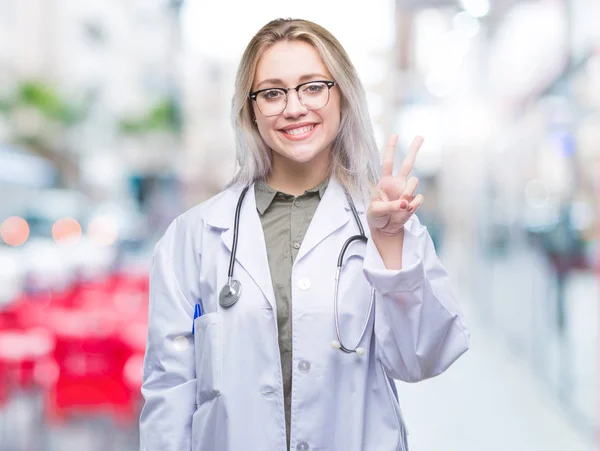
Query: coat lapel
{"points": [[332, 213], [251, 250]]}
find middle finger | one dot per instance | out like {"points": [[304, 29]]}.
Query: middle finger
{"points": [[409, 161], [411, 187]]}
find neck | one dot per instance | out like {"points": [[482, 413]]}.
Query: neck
{"points": [[295, 178]]}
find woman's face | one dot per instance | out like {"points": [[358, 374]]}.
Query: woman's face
{"points": [[297, 133]]}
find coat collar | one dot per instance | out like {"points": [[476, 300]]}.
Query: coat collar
{"points": [[265, 194], [223, 209], [332, 213]]}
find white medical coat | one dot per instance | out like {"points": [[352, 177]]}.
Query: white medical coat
{"points": [[221, 388]]}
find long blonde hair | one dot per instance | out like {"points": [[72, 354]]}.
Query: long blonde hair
{"points": [[355, 158]]}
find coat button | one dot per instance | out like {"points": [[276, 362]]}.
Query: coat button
{"points": [[296, 203], [267, 390], [304, 283], [302, 446], [296, 245], [304, 366]]}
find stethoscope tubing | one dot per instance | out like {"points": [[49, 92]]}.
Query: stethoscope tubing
{"points": [[361, 237], [236, 230]]}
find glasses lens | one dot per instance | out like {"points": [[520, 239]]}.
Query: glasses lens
{"points": [[314, 95], [271, 102]]}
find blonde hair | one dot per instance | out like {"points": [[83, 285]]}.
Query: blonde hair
{"points": [[355, 158]]}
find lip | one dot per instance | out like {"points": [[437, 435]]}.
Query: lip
{"points": [[301, 137], [298, 125]]}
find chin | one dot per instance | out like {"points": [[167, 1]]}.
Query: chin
{"points": [[301, 154]]}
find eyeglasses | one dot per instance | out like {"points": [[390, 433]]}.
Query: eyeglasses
{"points": [[312, 94]]}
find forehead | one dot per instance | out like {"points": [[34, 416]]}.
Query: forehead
{"points": [[288, 61]]}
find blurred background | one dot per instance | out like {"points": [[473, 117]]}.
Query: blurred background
{"points": [[114, 119]]}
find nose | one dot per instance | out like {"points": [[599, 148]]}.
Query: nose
{"points": [[294, 108]]}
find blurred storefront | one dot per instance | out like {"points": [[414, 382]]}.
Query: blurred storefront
{"points": [[507, 94], [90, 150]]}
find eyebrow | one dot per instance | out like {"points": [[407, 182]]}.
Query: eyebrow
{"points": [[303, 78]]}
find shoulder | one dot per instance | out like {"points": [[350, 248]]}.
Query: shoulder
{"points": [[185, 231], [199, 214]]}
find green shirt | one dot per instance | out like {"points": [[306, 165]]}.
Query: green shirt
{"points": [[285, 219]]}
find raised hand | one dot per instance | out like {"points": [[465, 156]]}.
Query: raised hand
{"points": [[394, 200]]}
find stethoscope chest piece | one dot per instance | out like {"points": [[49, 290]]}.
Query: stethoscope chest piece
{"points": [[230, 293]]}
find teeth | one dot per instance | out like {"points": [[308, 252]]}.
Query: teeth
{"points": [[300, 130]]}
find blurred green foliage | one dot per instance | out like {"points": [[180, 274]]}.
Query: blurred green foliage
{"points": [[163, 116], [59, 113], [46, 99], [48, 102]]}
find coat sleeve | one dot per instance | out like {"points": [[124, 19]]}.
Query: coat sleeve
{"points": [[419, 329], [169, 380]]}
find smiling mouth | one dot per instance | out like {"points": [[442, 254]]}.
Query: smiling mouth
{"points": [[299, 132]]}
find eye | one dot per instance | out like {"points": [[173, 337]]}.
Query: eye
{"points": [[271, 94], [313, 88]]}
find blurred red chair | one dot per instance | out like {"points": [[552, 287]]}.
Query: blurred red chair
{"points": [[86, 348], [21, 350], [3, 385], [91, 358]]}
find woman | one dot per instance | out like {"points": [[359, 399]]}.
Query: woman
{"points": [[288, 367]]}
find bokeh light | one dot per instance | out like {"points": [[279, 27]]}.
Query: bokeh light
{"points": [[102, 230], [14, 231], [66, 230]]}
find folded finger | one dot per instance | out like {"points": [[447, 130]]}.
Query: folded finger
{"points": [[396, 205], [416, 203]]}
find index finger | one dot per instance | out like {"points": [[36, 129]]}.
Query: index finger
{"points": [[409, 161], [388, 157]]}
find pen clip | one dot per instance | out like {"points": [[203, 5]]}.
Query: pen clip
{"points": [[197, 314]]}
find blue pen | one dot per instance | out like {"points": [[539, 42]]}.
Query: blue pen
{"points": [[197, 314]]}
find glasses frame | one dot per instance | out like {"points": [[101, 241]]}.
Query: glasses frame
{"points": [[329, 83]]}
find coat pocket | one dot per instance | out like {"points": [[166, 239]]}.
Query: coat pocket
{"points": [[208, 338]]}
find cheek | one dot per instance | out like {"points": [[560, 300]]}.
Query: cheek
{"points": [[267, 126], [335, 113], [333, 121], [266, 130]]}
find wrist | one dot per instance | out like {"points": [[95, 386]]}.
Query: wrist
{"points": [[378, 234], [389, 247]]}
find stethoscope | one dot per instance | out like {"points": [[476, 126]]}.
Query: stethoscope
{"points": [[232, 290]]}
